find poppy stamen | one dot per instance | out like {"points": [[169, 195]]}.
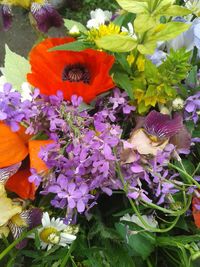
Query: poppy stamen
{"points": [[76, 73]]}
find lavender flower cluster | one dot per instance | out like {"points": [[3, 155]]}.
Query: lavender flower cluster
{"points": [[12, 108], [87, 150]]}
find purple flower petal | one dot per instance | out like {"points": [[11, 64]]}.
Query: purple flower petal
{"points": [[6, 16], [46, 16], [80, 205], [161, 125]]}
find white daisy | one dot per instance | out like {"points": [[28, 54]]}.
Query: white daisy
{"points": [[54, 232]]}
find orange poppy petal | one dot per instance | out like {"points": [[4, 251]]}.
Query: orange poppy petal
{"points": [[25, 137], [12, 147], [19, 184], [195, 212], [34, 148]]}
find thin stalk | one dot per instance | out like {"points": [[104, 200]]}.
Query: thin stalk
{"points": [[67, 257], [189, 177], [146, 225], [14, 243]]}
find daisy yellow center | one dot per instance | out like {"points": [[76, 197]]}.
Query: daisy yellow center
{"points": [[50, 235]]}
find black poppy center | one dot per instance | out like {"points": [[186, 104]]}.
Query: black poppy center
{"points": [[76, 73]]}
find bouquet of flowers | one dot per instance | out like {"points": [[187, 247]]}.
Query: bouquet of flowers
{"points": [[99, 139]]}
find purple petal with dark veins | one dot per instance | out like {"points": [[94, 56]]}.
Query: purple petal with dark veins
{"points": [[161, 125], [46, 16], [7, 15], [182, 140]]}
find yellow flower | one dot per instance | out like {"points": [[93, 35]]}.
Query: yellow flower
{"points": [[139, 95], [104, 30], [140, 63], [7, 207], [130, 59], [23, 3]]}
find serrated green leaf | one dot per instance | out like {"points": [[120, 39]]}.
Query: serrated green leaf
{"points": [[72, 46], [15, 69], [116, 43], [69, 24]]}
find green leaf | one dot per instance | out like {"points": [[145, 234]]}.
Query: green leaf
{"points": [[151, 72], [165, 32], [175, 10], [147, 48], [124, 19], [192, 76], [72, 46], [15, 69], [138, 6], [142, 243], [143, 23], [122, 59], [116, 43], [69, 23], [124, 82]]}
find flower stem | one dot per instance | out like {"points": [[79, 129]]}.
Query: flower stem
{"points": [[14, 243], [146, 225], [189, 177], [68, 256]]}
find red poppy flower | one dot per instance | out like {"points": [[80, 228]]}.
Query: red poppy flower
{"points": [[84, 73]]}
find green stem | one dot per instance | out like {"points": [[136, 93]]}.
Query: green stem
{"points": [[14, 243], [149, 263], [68, 256], [171, 212], [196, 170], [146, 225], [189, 177]]}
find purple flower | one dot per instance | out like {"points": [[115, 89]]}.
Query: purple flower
{"points": [[161, 125], [7, 16], [46, 16], [192, 106], [12, 109]]}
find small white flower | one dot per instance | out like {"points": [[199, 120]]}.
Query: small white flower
{"points": [[26, 91], [54, 232], [177, 103], [98, 17], [129, 30], [2, 82]]}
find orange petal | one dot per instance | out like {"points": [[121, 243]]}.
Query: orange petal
{"points": [[12, 147], [25, 137], [19, 184], [195, 212], [34, 148]]}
